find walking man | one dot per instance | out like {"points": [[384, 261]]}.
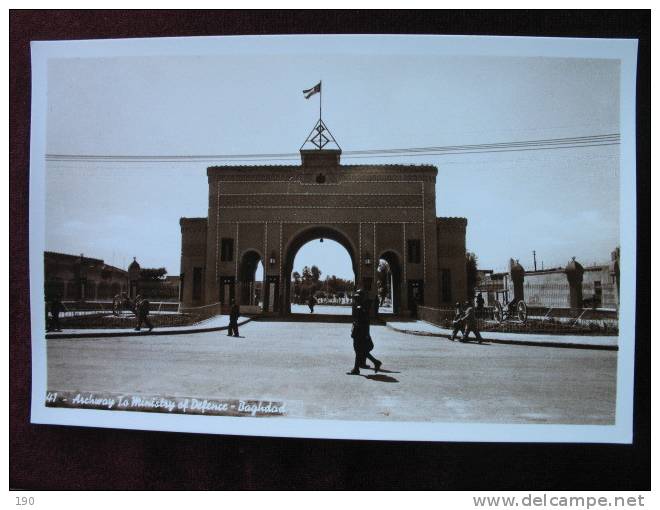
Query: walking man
{"points": [[234, 313], [470, 323], [458, 322], [362, 342], [142, 311], [311, 302]]}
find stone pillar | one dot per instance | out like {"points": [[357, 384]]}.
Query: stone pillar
{"points": [[574, 272], [517, 273], [615, 274]]}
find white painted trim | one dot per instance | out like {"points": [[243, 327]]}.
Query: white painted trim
{"points": [[358, 284], [374, 264], [405, 261], [236, 255]]}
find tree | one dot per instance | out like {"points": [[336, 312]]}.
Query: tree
{"points": [[338, 287], [471, 262], [309, 283], [153, 273], [304, 293]]}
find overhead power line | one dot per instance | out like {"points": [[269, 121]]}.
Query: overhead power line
{"points": [[486, 148]]}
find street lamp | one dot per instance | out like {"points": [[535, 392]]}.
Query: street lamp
{"points": [[272, 259], [367, 260]]}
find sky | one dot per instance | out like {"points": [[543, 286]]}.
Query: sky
{"points": [[560, 203]]}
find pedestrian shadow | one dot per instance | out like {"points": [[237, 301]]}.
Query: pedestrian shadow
{"points": [[385, 371], [381, 378]]}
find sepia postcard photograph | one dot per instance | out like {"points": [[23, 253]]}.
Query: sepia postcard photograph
{"points": [[426, 238]]}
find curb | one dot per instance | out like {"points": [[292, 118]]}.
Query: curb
{"points": [[515, 342], [155, 332]]}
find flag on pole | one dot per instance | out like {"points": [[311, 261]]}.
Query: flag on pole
{"points": [[314, 90]]}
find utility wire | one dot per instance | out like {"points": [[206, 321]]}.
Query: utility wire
{"points": [[516, 146]]}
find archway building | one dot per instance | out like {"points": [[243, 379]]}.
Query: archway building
{"points": [[269, 212]]}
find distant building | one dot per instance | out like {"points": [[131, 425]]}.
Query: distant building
{"points": [[80, 278], [482, 275]]}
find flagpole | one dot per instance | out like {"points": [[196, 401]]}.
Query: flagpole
{"points": [[320, 106]]}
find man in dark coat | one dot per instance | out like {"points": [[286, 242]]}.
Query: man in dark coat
{"points": [[362, 343], [458, 321], [55, 309], [142, 312], [470, 323], [234, 313]]}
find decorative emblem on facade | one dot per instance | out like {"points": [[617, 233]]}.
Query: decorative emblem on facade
{"points": [[320, 138]]}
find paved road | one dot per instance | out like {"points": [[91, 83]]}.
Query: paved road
{"points": [[304, 364]]}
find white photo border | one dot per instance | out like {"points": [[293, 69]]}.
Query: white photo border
{"points": [[624, 50]]}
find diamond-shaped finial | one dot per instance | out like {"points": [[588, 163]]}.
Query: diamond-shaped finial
{"points": [[320, 138]]}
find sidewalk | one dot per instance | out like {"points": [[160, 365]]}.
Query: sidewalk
{"points": [[217, 323], [423, 328]]}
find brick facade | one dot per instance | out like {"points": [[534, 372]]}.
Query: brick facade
{"points": [[269, 212]]}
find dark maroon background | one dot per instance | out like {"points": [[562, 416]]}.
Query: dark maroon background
{"points": [[56, 457]]}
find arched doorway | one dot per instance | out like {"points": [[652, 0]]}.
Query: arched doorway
{"points": [[393, 279], [301, 239], [251, 279]]}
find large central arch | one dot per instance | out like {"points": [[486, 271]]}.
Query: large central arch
{"points": [[303, 237]]}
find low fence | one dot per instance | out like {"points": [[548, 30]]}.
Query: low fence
{"points": [[105, 306], [206, 311], [560, 321], [127, 320], [572, 313], [99, 315]]}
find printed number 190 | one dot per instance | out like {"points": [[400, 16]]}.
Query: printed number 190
{"points": [[23, 501]]}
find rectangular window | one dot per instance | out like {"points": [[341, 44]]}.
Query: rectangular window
{"points": [[414, 251], [197, 283], [445, 285], [226, 249]]}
